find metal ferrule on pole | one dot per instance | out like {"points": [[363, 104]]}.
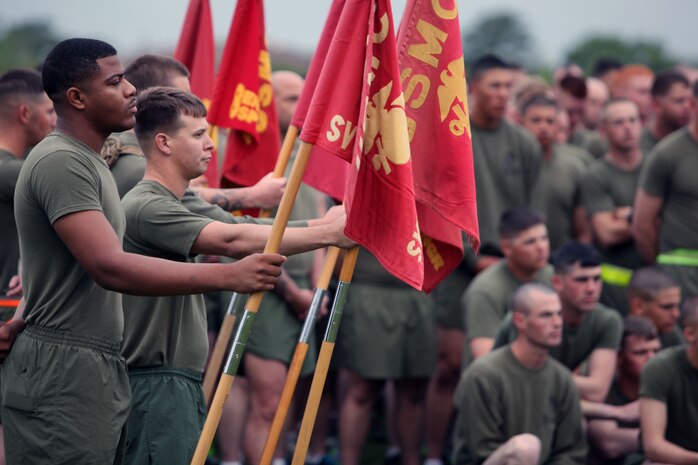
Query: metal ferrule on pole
{"points": [[336, 312], [236, 301], [310, 320], [243, 332]]}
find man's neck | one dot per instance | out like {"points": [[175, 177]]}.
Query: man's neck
{"points": [[481, 120], [572, 316], [12, 140], [625, 160], [173, 183], [659, 128], [85, 133], [630, 387], [523, 275], [529, 355]]}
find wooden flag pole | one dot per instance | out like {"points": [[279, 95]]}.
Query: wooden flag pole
{"points": [[253, 303], [224, 335], [323, 363], [294, 370]]}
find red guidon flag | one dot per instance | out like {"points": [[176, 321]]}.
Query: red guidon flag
{"points": [[196, 50], [243, 99], [433, 78], [322, 162], [381, 211]]}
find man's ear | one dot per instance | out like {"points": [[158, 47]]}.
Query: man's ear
{"points": [[75, 98], [162, 142], [24, 113], [636, 306], [556, 282]]}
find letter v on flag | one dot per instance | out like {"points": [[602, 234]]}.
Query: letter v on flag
{"points": [[243, 99]]}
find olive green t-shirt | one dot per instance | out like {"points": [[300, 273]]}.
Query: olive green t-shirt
{"points": [[129, 167], [61, 176], [9, 250], [498, 398], [168, 330], [507, 163], [669, 378], [601, 329], [557, 193], [647, 141], [670, 173], [605, 188], [594, 143]]}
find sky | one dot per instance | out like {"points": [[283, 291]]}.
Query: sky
{"points": [[139, 26]]}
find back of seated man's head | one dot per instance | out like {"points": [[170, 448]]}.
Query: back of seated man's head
{"points": [[656, 295], [148, 71], [575, 253], [160, 110], [72, 63], [640, 342]]}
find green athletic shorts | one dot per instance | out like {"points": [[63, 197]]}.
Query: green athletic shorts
{"points": [[167, 416], [387, 333], [275, 333], [65, 399], [446, 297]]}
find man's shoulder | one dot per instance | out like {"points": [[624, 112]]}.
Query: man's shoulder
{"points": [[573, 156], [146, 193], [490, 280], [675, 142], [606, 315]]}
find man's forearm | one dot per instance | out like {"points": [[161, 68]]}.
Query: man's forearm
{"points": [[227, 199], [646, 237]]}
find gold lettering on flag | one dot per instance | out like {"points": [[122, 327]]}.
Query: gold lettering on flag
{"points": [[452, 97], [435, 258], [414, 247], [248, 106], [384, 128], [432, 46]]}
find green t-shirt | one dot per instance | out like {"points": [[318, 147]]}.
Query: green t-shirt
{"points": [[507, 163], [669, 378], [168, 330], [601, 329], [605, 188], [369, 270], [129, 167], [557, 192], [62, 176], [670, 173], [594, 143], [488, 299], [497, 398], [10, 167], [647, 141]]}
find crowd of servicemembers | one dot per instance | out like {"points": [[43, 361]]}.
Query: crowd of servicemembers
{"points": [[538, 349]]}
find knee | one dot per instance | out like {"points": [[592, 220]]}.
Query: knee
{"points": [[526, 449]]}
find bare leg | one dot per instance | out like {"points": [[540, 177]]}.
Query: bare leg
{"points": [[266, 380], [232, 422], [355, 416], [411, 398], [439, 412]]}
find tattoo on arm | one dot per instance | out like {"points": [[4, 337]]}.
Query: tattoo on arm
{"points": [[229, 199]]}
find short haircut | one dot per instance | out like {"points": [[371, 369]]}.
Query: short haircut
{"points": [[574, 85], [71, 63], [159, 110], [18, 85], [648, 282], [638, 326], [537, 100], [664, 81], [487, 63], [613, 101], [689, 311], [516, 220], [148, 71], [521, 300], [605, 65], [573, 253]]}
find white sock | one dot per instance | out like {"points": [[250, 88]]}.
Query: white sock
{"points": [[278, 461], [392, 451], [314, 459]]}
